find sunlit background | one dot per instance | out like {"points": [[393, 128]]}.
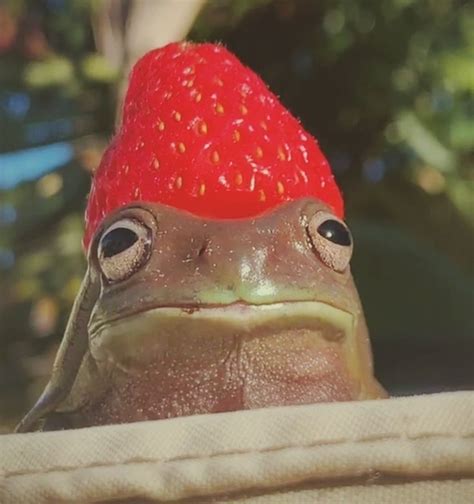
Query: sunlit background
{"points": [[385, 85]]}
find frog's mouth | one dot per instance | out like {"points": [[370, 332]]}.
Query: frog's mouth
{"points": [[168, 334], [166, 326]]}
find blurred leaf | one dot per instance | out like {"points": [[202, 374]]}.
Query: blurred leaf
{"points": [[461, 134], [458, 70], [97, 68], [55, 71], [424, 143], [462, 195]]}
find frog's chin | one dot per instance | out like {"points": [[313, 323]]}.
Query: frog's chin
{"points": [[172, 361], [159, 333]]}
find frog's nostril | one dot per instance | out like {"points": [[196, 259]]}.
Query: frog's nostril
{"points": [[203, 249]]}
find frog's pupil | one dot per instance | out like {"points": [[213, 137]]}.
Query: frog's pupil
{"points": [[335, 232], [117, 241]]}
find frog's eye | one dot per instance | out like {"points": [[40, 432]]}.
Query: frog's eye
{"points": [[123, 249], [331, 239]]}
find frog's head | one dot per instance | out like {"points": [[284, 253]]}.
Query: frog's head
{"points": [[264, 306], [179, 315]]}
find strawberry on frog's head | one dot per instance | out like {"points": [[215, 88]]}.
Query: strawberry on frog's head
{"points": [[201, 132]]}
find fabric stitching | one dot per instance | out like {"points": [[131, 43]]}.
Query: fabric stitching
{"points": [[375, 439]]}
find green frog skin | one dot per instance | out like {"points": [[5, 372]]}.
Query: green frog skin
{"points": [[180, 315]]}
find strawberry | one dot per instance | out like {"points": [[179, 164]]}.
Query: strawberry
{"points": [[201, 132]]}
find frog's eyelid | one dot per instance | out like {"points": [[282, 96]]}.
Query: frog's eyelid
{"points": [[125, 222]]}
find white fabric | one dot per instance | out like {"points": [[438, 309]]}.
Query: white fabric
{"points": [[410, 449]]}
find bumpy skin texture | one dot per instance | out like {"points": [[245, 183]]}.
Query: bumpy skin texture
{"points": [[203, 133], [141, 365]]}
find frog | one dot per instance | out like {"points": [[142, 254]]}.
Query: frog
{"points": [[182, 315]]}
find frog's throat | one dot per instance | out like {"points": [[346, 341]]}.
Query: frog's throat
{"points": [[128, 342]]}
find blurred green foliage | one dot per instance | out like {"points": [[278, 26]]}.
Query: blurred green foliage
{"points": [[385, 85]]}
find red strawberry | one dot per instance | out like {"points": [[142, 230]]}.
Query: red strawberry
{"points": [[203, 133]]}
